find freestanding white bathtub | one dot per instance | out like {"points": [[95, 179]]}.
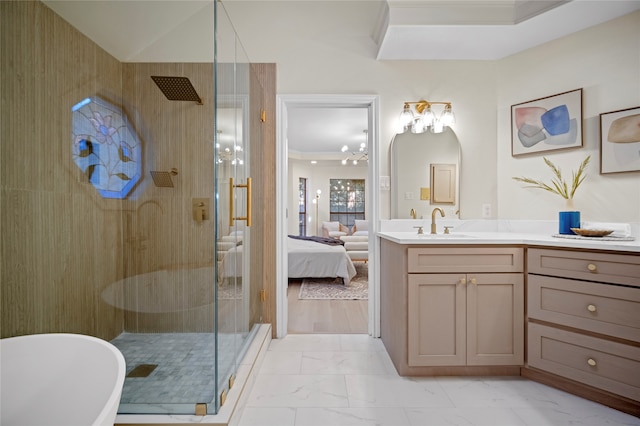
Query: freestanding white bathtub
{"points": [[59, 379]]}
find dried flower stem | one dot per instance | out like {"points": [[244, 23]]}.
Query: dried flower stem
{"points": [[558, 184]]}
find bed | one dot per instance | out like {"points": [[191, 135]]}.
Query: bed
{"points": [[307, 259]]}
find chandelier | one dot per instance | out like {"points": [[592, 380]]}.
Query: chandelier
{"points": [[354, 157]]}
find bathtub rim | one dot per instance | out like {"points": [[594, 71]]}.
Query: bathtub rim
{"points": [[109, 410]]}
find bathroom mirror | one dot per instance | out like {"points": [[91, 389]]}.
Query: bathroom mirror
{"points": [[425, 173]]}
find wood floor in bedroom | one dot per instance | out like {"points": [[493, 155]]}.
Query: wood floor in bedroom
{"points": [[325, 316]]}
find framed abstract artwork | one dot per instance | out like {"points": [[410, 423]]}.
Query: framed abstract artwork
{"points": [[620, 141], [547, 124]]}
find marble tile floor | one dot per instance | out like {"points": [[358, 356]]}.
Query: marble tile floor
{"points": [[335, 380]]}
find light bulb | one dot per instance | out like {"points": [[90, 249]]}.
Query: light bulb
{"points": [[418, 126], [345, 148], [437, 126], [355, 162], [344, 162], [405, 119], [448, 119], [428, 117]]}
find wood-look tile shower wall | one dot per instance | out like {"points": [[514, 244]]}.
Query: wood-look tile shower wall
{"points": [[61, 242], [162, 233]]}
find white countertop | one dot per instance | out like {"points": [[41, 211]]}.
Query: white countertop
{"points": [[531, 233], [492, 238]]}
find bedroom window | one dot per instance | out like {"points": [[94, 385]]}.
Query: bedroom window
{"points": [[346, 200], [302, 212]]}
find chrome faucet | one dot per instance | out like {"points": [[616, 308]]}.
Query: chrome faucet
{"points": [[433, 218], [413, 213]]}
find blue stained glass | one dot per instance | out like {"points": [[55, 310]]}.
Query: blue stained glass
{"points": [[105, 147]]}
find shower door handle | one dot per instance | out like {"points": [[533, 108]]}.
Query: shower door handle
{"points": [[232, 188]]}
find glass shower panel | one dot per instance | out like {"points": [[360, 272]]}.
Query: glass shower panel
{"points": [[234, 131], [167, 293]]}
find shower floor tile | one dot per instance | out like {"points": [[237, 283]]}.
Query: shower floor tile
{"points": [[185, 371]]}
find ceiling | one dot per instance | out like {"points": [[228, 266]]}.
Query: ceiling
{"points": [[182, 31], [320, 133], [485, 30]]}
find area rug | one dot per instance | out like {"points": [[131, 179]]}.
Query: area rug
{"points": [[333, 288]]}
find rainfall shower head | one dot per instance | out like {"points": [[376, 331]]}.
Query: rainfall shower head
{"points": [[163, 179], [177, 88]]}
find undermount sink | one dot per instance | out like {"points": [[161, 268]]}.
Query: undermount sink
{"points": [[445, 236]]}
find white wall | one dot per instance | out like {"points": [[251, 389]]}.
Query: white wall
{"points": [[465, 83], [318, 176], [605, 62]]}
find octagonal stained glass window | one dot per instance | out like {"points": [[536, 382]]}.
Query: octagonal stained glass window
{"points": [[105, 147]]}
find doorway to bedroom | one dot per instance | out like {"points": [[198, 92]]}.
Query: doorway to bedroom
{"points": [[328, 202]]}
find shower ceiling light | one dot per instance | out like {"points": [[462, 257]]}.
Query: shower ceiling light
{"points": [[424, 118]]}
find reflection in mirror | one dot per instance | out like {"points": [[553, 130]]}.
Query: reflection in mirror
{"points": [[425, 173]]}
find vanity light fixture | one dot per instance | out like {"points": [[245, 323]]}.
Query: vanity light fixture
{"points": [[424, 118]]}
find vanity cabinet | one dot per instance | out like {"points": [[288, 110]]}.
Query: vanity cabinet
{"points": [[458, 314], [454, 311], [584, 323]]}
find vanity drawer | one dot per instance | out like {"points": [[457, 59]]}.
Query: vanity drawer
{"points": [[465, 260], [601, 308], [603, 267], [606, 365]]}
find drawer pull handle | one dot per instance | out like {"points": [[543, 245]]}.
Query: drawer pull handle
{"points": [[474, 281], [591, 308], [591, 362], [592, 267], [463, 281]]}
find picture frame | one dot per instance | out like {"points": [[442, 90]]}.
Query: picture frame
{"points": [[620, 141], [547, 124]]}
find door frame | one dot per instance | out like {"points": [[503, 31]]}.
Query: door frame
{"points": [[283, 103]]}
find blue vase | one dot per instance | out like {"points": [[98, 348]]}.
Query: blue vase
{"points": [[569, 220]]}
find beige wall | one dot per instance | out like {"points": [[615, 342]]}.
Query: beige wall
{"points": [[605, 62]]}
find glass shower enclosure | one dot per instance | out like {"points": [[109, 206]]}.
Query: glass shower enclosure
{"points": [[126, 210], [188, 323]]}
